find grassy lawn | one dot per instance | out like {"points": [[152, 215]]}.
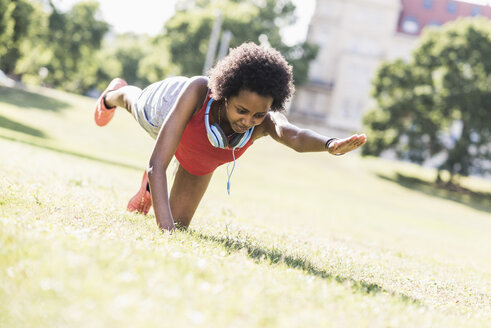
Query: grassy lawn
{"points": [[305, 240]]}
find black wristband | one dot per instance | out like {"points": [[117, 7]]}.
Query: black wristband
{"points": [[329, 141]]}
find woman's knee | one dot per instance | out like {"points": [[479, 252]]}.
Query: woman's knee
{"points": [[182, 222], [130, 96], [182, 212], [124, 97]]}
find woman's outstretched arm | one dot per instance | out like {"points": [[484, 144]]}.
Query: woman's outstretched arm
{"points": [[305, 140]]}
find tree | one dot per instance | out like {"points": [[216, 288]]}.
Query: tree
{"points": [[156, 63], [70, 46], [72, 41], [188, 31], [34, 50], [7, 24], [438, 103], [140, 60], [15, 22]]}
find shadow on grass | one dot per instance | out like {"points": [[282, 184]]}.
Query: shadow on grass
{"points": [[477, 200], [262, 254], [19, 127], [72, 153], [26, 99]]}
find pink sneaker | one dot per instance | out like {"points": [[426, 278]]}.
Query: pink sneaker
{"points": [[142, 201], [103, 114]]}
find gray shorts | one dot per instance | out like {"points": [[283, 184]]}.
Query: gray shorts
{"points": [[155, 103]]}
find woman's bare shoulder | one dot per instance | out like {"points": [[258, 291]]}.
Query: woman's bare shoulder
{"points": [[262, 129], [197, 89], [274, 121]]}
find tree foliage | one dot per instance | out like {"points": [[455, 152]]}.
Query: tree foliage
{"points": [[140, 60], [71, 50], [188, 31], [438, 104], [64, 44], [15, 23], [7, 24], [74, 37]]}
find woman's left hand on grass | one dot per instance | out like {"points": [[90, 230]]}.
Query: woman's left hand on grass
{"points": [[342, 146]]}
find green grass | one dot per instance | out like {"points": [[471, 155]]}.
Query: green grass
{"points": [[305, 240]]}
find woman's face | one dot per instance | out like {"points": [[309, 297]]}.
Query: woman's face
{"points": [[247, 109]]}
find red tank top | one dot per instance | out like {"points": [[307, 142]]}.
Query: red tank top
{"points": [[196, 154]]}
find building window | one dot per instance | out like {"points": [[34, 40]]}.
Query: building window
{"points": [[475, 11], [428, 4], [410, 25], [452, 7]]}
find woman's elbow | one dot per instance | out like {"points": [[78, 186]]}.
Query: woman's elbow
{"points": [[299, 149], [296, 145], [155, 167]]}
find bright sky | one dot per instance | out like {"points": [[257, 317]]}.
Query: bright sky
{"points": [[148, 16]]}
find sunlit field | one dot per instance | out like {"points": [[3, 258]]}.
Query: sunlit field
{"points": [[304, 240]]}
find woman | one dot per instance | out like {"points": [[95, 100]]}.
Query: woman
{"points": [[206, 122]]}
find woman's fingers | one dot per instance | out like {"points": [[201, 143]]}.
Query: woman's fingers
{"points": [[349, 144], [343, 146]]}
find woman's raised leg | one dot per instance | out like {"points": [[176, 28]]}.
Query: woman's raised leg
{"points": [[124, 97]]}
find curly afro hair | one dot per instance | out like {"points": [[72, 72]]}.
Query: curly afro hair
{"points": [[255, 68]]}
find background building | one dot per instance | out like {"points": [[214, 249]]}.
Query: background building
{"points": [[354, 36]]}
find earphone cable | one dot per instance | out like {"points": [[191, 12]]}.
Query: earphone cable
{"points": [[232, 171]]}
